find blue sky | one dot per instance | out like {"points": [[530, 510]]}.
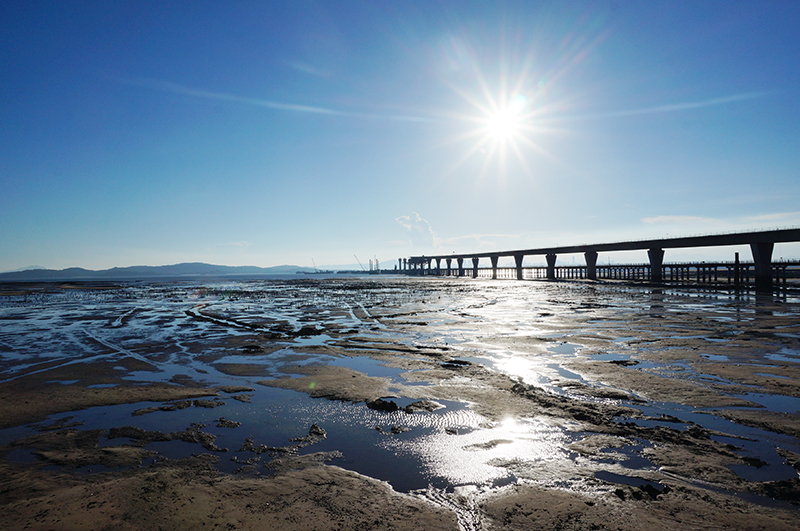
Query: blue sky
{"points": [[268, 133]]}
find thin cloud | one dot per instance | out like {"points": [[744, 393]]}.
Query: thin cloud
{"points": [[676, 107], [778, 217], [238, 244], [309, 69], [174, 88]]}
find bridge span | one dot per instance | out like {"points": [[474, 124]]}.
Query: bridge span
{"points": [[761, 244]]}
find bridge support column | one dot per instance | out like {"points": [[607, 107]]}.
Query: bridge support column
{"points": [[475, 260], [762, 256], [551, 266], [449, 269], [518, 261], [494, 258], [656, 264], [438, 267], [591, 264]]}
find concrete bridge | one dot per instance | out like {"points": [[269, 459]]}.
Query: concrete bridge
{"points": [[761, 244]]}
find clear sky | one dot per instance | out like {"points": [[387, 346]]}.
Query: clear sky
{"points": [[268, 133]]}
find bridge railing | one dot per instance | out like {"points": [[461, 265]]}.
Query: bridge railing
{"points": [[784, 272]]}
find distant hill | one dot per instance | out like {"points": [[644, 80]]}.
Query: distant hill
{"points": [[144, 272], [23, 269]]}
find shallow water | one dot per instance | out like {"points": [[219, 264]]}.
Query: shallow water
{"points": [[528, 330]]}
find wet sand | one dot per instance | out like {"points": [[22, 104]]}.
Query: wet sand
{"points": [[659, 398]]}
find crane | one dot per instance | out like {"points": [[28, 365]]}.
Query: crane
{"points": [[359, 263]]}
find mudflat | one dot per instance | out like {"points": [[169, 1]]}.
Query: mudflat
{"points": [[398, 403]]}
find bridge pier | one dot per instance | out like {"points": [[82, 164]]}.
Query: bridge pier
{"points": [[762, 257], [518, 261], [591, 264], [460, 266], [438, 267], [551, 266], [475, 261], [449, 261], [494, 258], [656, 263]]}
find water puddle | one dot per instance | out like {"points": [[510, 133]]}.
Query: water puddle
{"points": [[716, 357], [768, 375], [565, 348], [777, 403]]}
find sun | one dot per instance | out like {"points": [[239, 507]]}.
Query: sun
{"points": [[502, 124], [506, 124], [504, 129]]}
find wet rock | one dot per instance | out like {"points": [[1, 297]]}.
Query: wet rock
{"points": [[307, 331], [624, 363], [208, 403], [59, 424], [252, 349], [455, 364], [194, 435], [394, 430], [243, 398], [792, 458], [755, 462], [422, 405], [488, 445], [315, 434], [383, 405], [248, 445], [174, 406], [222, 422], [233, 389]]}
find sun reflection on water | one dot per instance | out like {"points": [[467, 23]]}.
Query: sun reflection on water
{"points": [[475, 456]]}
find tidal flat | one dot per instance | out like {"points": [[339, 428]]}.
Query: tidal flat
{"points": [[397, 403]]}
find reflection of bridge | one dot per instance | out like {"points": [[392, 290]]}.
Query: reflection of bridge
{"points": [[761, 244]]}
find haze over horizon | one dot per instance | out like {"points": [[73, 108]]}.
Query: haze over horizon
{"points": [[138, 133]]}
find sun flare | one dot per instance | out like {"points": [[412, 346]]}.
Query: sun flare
{"points": [[502, 124], [506, 123]]}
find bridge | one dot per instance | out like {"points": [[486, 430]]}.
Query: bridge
{"points": [[761, 244]]}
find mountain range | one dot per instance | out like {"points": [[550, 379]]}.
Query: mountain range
{"points": [[144, 272]]}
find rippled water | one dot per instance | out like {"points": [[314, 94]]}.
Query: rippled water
{"points": [[185, 328]]}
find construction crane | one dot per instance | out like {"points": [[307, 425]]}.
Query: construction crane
{"points": [[359, 263]]}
